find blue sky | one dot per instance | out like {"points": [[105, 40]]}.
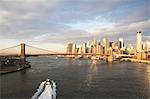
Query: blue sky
{"points": [[51, 24]]}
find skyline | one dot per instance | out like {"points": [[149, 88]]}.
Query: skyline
{"points": [[53, 23], [100, 45]]}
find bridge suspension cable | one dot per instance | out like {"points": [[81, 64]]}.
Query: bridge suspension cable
{"points": [[9, 50], [9, 47], [42, 49]]}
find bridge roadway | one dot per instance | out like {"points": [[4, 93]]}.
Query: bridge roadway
{"points": [[51, 54], [64, 54]]}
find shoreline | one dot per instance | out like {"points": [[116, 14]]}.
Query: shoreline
{"points": [[135, 60], [16, 69], [121, 60]]}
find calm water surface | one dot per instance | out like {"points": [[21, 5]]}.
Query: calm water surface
{"points": [[79, 79]]}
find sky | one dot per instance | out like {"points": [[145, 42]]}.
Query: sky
{"points": [[51, 24]]}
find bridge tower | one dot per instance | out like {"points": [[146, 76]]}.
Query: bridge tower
{"points": [[22, 54]]}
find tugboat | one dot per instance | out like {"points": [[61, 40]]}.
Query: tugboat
{"points": [[46, 90]]}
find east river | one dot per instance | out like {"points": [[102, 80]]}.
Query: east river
{"points": [[79, 79]]}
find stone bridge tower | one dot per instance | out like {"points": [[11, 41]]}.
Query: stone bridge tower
{"points": [[22, 54]]}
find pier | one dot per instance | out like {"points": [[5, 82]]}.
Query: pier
{"points": [[9, 64], [136, 60]]}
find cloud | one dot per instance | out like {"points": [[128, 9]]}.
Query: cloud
{"points": [[4, 15], [146, 37], [138, 13], [63, 37], [132, 27], [62, 21]]}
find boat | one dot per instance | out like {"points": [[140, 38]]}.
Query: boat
{"points": [[46, 90]]}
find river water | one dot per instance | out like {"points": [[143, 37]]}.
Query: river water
{"points": [[80, 79]]}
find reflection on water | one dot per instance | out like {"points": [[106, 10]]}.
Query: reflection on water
{"points": [[93, 68], [147, 78], [109, 66], [80, 79], [91, 72]]}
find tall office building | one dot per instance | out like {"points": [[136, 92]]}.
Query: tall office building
{"points": [[80, 50], [106, 45], [93, 46], [121, 43], [117, 45], [130, 49], [99, 49], [94, 42], [74, 48], [139, 42], [146, 45], [84, 48], [69, 47]]}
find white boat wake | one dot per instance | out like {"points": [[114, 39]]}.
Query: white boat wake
{"points": [[46, 90]]}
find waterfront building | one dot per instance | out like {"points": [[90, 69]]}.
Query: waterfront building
{"points": [[95, 49], [94, 42], [106, 45], [121, 43], [142, 55], [74, 49], [110, 55], [77, 50], [88, 44], [84, 47], [117, 45], [93, 46], [111, 44], [69, 47], [89, 49], [80, 51], [130, 49], [92, 49], [99, 49], [139, 42], [146, 45], [135, 52]]}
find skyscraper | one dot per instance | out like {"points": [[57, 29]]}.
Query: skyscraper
{"points": [[130, 49], [94, 42], [146, 45], [93, 46], [139, 42], [69, 47], [106, 45], [122, 43], [84, 47], [74, 49]]}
